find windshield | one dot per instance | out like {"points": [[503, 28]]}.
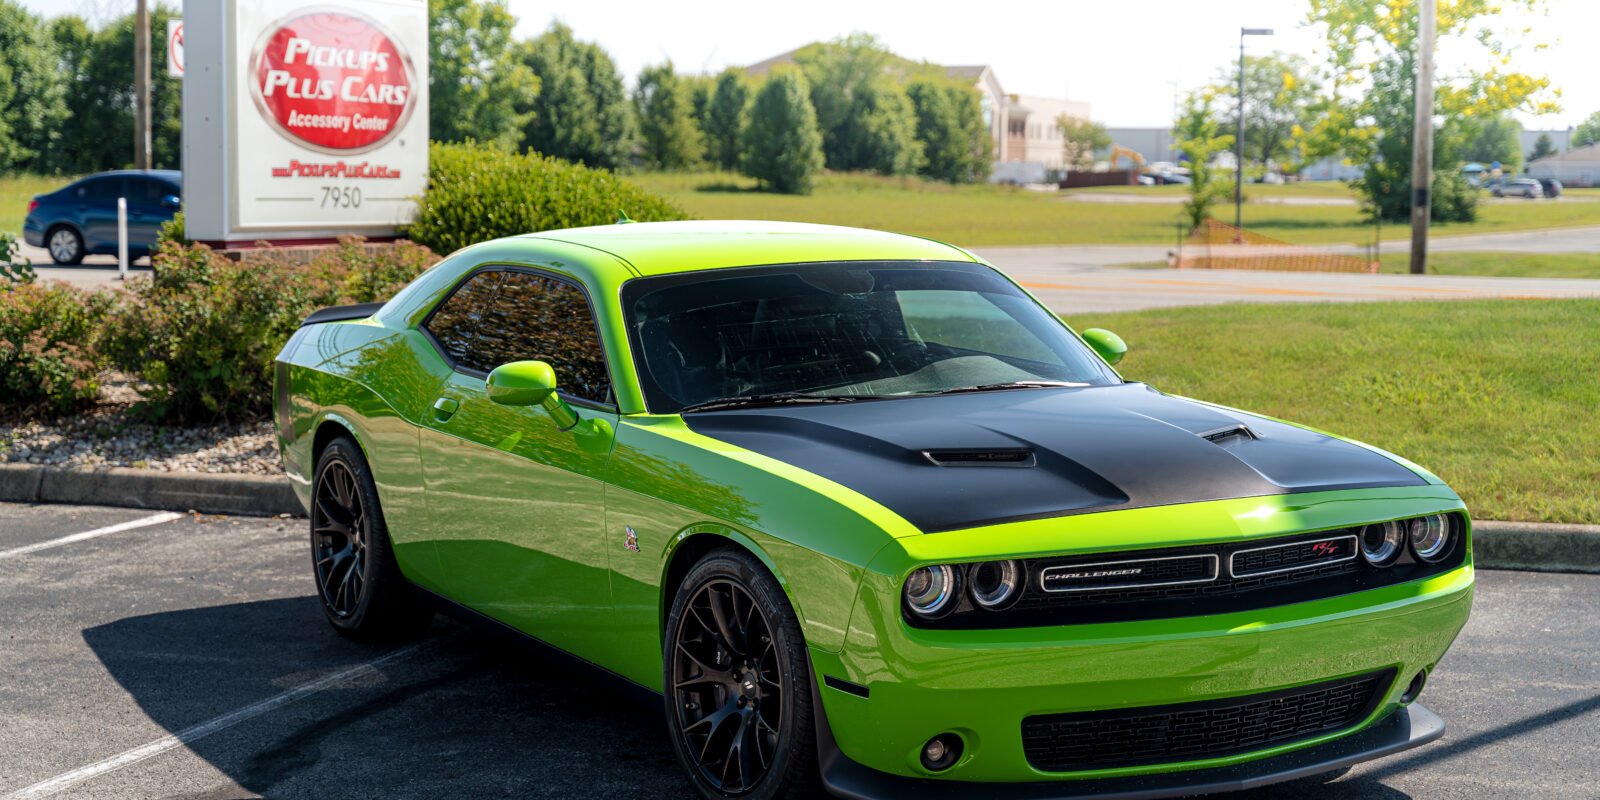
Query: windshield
{"points": [[878, 329]]}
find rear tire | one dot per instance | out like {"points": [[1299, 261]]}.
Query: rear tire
{"points": [[738, 683], [363, 594], [65, 245]]}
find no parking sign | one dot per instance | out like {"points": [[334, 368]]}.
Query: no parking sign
{"points": [[175, 48]]}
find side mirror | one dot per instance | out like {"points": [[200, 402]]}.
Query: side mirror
{"points": [[530, 383], [171, 201], [1109, 345]]}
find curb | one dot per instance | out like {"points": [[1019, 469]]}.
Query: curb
{"points": [[1537, 546], [207, 493]]}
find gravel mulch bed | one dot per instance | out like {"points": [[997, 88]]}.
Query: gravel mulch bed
{"points": [[110, 435]]}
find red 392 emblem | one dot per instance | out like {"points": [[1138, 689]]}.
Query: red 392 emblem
{"points": [[336, 82]]}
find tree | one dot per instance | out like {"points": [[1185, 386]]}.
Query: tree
{"points": [[581, 113], [1497, 138], [782, 146], [1200, 138], [665, 111], [866, 120], [98, 69], [955, 142], [1588, 131], [1372, 46], [476, 84], [1281, 94], [1079, 139], [1385, 186], [1542, 147], [725, 118], [32, 91]]}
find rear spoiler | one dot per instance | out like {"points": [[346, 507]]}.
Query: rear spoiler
{"points": [[342, 313]]}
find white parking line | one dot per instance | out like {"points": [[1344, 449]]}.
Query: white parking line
{"points": [[49, 787], [154, 519]]}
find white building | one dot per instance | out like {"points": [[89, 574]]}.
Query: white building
{"points": [[1031, 131], [1578, 167]]}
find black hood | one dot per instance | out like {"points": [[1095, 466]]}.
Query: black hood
{"points": [[959, 461]]}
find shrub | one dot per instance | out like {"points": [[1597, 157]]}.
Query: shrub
{"points": [[205, 330], [782, 146], [46, 354], [476, 192]]}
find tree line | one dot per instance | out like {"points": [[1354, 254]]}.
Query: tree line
{"points": [[67, 97]]}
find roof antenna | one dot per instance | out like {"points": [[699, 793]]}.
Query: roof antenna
{"points": [[622, 217]]}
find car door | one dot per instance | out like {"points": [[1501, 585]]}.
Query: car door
{"points": [[516, 505], [95, 201], [147, 210]]}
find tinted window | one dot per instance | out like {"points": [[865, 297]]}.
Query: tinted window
{"points": [[455, 324], [499, 317], [100, 189], [857, 328], [536, 318], [148, 193]]}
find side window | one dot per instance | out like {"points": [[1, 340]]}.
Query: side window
{"points": [[147, 193], [455, 324], [535, 318], [100, 190]]}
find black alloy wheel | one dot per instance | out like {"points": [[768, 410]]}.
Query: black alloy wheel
{"points": [[738, 688], [363, 593], [65, 245]]}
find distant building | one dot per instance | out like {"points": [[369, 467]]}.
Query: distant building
{"points": [[1560, 139], [1031, 130], [1579, 166], [1332, 168], [1152, 144], [1032, 118]]}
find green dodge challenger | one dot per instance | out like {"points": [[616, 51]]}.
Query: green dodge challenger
{"points": [[868, 517]]}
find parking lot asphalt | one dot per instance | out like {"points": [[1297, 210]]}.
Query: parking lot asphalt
{"points": [[150, 656]]}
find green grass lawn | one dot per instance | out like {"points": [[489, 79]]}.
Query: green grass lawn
{"points": [[1518, 265], [1497, 397], [16, 191], [997, 215], [1252, 191]]}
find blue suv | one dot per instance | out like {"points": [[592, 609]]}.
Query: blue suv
{"points": [[81, 218]]}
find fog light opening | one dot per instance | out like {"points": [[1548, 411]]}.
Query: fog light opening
{"points": [[1409, 696], [941, 752]]}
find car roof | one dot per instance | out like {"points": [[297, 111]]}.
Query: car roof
{"points": [[659, 248], [170, 175]]}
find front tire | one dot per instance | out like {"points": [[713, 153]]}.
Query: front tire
{"points": [[363, 594], [738, 683], [65, 245]]}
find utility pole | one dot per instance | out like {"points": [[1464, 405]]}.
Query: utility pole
{"points": [[141, 86], [1238, 142], [1422, 139]]}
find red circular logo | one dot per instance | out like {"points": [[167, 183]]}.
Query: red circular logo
{"points": [[333, 81]]}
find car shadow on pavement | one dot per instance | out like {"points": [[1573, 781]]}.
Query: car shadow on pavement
{"points": [[466, 716]]}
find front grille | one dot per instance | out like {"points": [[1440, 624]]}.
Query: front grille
{"points": [[1195, 580], [1193, 731]]}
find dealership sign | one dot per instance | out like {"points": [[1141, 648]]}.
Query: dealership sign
{"points": [[320, 111]]}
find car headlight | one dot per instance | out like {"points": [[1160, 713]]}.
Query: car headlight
{"points": [[994, 584], [1381, 543], [1430, 537], [932, 591]]}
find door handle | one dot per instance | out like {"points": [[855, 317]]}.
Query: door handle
{"points": [[444, 408]]}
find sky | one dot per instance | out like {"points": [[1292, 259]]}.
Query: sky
{"points": [[1127, 58]]}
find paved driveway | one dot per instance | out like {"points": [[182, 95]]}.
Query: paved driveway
{"points": [[168, 656]]}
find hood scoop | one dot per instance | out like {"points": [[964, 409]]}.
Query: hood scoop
{"points": [[1230, 434], [1005, 457]]}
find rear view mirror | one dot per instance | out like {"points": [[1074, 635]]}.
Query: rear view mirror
{"points": [[530, 383], [1109, 345]]}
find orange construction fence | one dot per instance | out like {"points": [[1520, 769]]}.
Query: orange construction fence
{"points": [[1218, 245]]}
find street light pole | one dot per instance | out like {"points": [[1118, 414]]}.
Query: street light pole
{"points": [[1422, 139], [1238, 142]]}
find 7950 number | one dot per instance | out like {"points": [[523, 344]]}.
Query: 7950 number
{"points": [[341, 197]]}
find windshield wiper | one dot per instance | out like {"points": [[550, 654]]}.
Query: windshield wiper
{"points": [[778, 399], [996, 387]]}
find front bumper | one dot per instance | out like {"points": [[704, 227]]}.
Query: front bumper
{"points": [[981, 684], [1403, 729]]}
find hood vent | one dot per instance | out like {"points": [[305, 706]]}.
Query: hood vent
{"points": [[980, 458], [1227, 435]]}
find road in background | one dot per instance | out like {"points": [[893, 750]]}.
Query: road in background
{"points": [[188, 659]]}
